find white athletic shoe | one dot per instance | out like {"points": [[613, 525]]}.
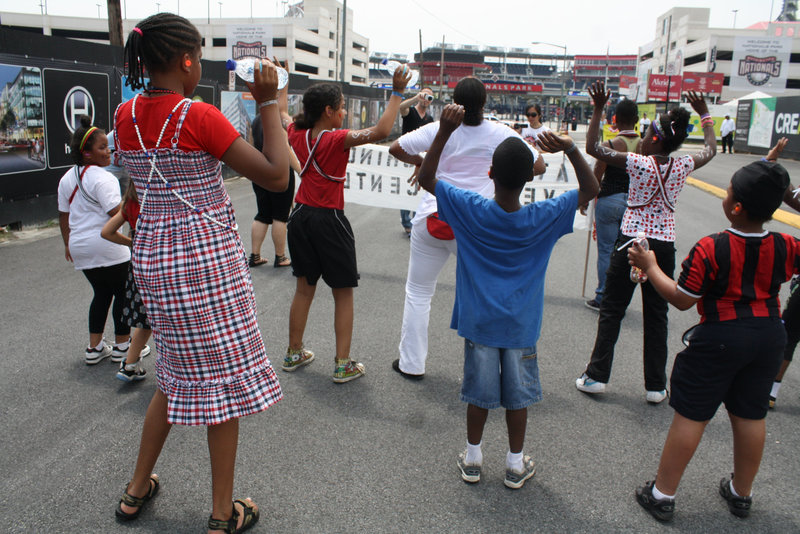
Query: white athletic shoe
{"points": [[654, 397], [587, 385]]}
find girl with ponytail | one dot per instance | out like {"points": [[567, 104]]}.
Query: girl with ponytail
{"points": [[656, 180]]}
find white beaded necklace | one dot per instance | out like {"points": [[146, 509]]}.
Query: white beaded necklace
{"points": [[154, 154]]}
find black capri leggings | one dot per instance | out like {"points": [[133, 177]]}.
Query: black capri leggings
{"points": [[108, 283]]}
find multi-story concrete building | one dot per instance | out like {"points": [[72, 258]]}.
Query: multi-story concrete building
{"points": [[683, 35], [309, 37]]}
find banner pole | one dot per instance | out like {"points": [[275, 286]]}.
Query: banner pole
{"points": [[588, 244]]}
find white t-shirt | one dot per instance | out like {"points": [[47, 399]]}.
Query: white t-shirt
{"points": [[87, 218], [465, 159], [643, 124], [531, 135], [727, 127]]}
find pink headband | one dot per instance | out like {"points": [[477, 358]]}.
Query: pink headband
{"points": [[137, 30]]}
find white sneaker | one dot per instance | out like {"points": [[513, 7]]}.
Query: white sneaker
{"points": [[93, 355], [654, 397], [145, 351], [587, 385]]}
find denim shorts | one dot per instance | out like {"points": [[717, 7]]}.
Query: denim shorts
{"points": [[500, 377]]}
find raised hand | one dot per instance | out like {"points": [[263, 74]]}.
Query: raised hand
{"points": [[400, 78], [265, 81], [451, 118], [599, 94], [697, 102], [775, 152], [550, 142]]}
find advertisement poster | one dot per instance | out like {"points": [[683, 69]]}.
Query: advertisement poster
{"points": [[657, 88], [787, 123], [708, 83], [22, 139], [760, 64], [761, 120], [71, 94], [240, 109], [249, 40], [743, 112]]}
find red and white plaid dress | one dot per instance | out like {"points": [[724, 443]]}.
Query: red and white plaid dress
{"points": [[192, 273]]}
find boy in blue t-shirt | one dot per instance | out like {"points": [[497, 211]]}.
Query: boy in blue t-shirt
{"points": [[503, 250]]}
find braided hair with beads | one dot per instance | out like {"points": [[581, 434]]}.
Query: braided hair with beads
{"points": [[155, 43]]}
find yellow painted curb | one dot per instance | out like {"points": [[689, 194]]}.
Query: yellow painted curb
{"points": [[780, 215]]}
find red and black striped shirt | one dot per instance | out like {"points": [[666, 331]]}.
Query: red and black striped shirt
{"points": [[738, 275]]}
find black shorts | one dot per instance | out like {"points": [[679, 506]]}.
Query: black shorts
{"points": [[274, 206], [321, 243], [733, 362]]}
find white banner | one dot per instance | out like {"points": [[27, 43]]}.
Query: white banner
{"points": [[375, 178], [760, 64], [249, 40]]}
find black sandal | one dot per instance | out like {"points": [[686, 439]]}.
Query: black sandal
{"points": [[279, 261], [256, 260], [229, 526], [138, 502]]}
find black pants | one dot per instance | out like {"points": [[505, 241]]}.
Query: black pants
{"points": [[791, 321], [727, 141], [108, 284], [616, 297]]}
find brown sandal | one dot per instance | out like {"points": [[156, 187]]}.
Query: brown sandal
{"points": [[280, 261], [229, 526], [256, 260], [138, 502]]}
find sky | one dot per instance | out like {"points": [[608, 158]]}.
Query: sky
{"points": [[583, 26]]}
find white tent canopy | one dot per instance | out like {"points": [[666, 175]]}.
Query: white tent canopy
{"points": [[752, 96]]}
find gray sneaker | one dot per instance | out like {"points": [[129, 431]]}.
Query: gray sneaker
{"points": [[93, 356], [516, 479], [738, 506], [469, 472]]}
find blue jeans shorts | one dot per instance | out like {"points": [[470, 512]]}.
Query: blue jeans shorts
{"points": [[500, 377]]}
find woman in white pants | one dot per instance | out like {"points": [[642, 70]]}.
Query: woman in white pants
{"points": [[464, 163]]}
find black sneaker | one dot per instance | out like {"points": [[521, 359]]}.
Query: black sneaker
{"points": [[660, 509], [396, 367], [739, 506], [593, 305], [131, 372]]}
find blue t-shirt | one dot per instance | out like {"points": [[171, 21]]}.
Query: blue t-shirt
{"points": [[502, 259]]}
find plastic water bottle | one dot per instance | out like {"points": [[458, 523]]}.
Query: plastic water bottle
{"points": [[245, 69], [390, 66], [638, 276]]}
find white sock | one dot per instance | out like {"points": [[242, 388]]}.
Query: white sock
{"points": [[657, 495], [123, 346], [474, 454], [734, 491], [514, 460], [776, 386], [101, 345]]}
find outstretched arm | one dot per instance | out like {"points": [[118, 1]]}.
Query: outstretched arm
{"points": [[588, 186], [709, 137], [663, 284], [451, 118], [111, 232], [594, 148], [382, 130]]}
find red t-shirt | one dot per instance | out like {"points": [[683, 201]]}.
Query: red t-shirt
{"points": [[205, 129], [130, 212], [331, 156]]}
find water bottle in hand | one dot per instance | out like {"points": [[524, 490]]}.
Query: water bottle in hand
{"points": [[638, 276], [390, 66], [245, 69]]}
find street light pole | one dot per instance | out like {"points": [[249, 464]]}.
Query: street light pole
{"points": [[562, 102]]}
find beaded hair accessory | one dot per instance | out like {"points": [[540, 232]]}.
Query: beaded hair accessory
{"points": [[152, 155], [657, 127]]}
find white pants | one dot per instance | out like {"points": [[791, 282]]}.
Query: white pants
{"points": [[428, 256]]}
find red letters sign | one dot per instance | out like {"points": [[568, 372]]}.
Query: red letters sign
{"points": [[703, 82], [657, 87], [506, 87]]}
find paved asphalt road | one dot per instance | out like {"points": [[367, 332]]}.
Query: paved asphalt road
{"points": [[378, 454]]}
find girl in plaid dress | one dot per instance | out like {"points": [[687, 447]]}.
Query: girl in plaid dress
{"points": [[189, 261]]}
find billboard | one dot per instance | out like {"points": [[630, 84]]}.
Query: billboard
{"points": [[249, 40], [760, 64], [658, 85], [703, 82], [22, 139]]}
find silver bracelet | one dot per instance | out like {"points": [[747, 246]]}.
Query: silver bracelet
{"points": [[571, 149], [267, 103]]}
